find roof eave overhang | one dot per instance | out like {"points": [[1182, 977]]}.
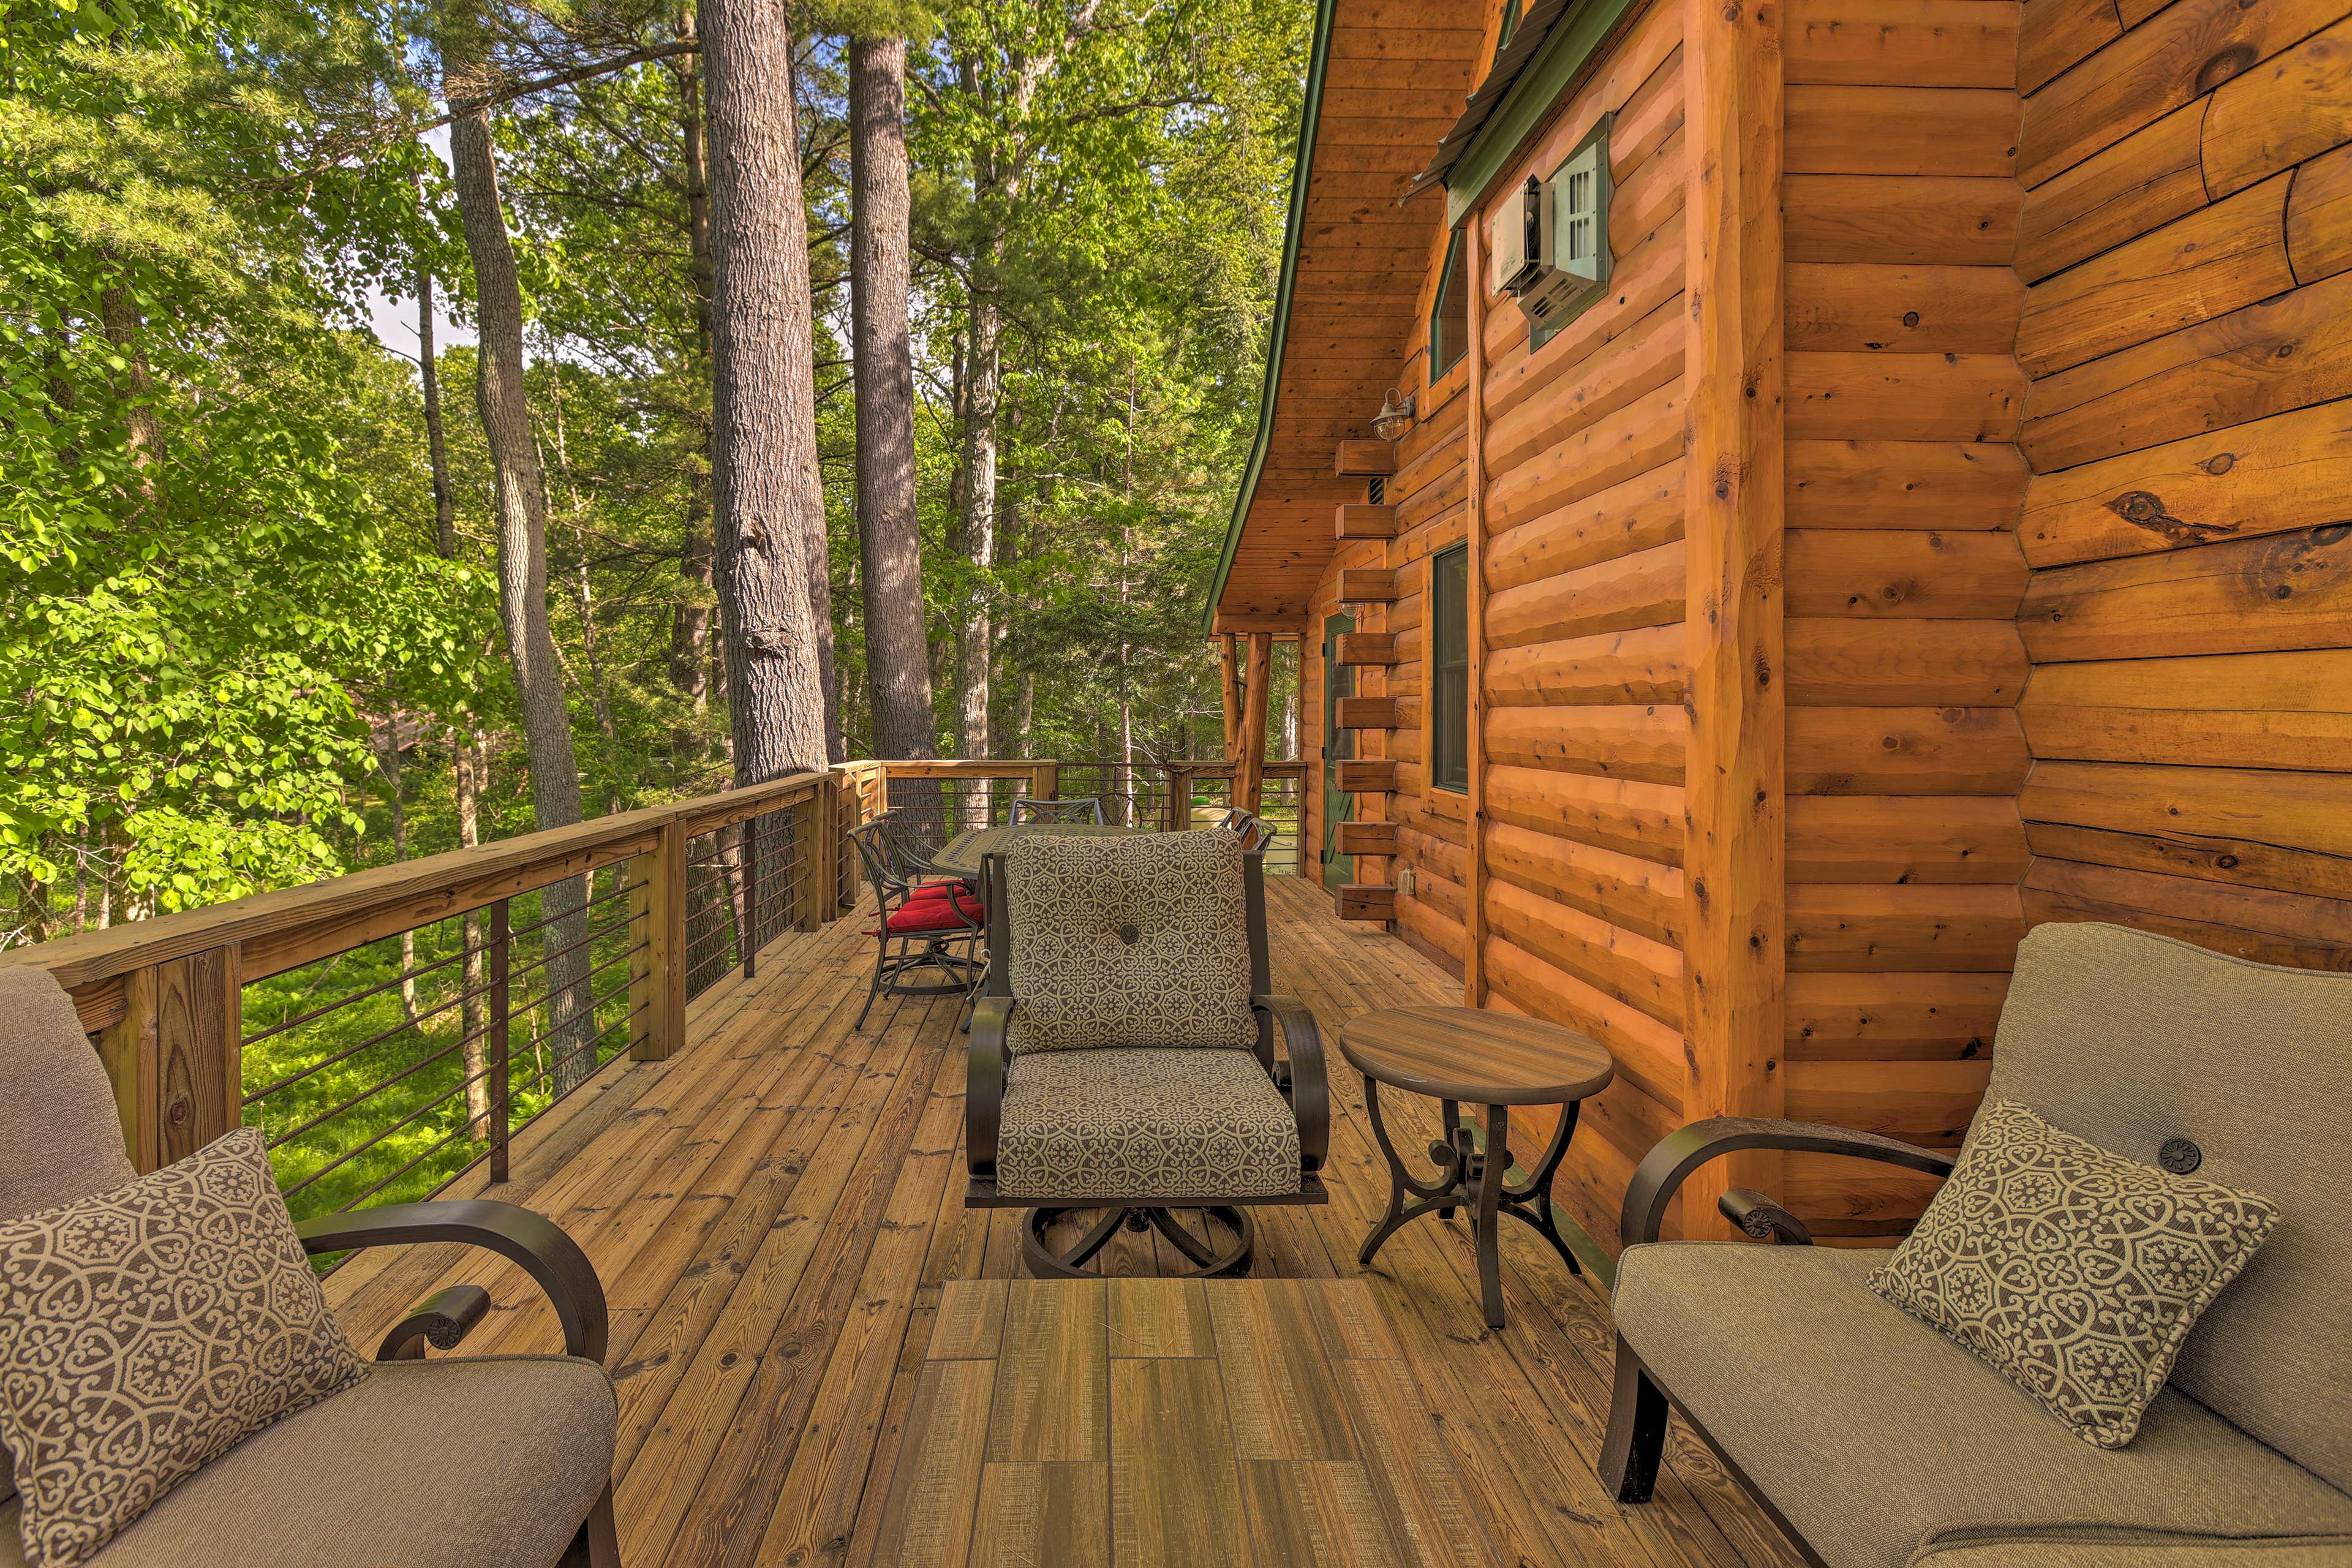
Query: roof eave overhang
{"points": [[1294, 229]]}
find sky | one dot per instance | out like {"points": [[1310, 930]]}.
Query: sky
{"points": [[394, 325]]}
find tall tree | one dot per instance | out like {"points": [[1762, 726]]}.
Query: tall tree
{"points": [[522, 500], [889, 531], [768, 499]]}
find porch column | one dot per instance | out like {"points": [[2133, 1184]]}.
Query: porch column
{"points": [[1225, 697], [1249, 767], [1733, 782]]}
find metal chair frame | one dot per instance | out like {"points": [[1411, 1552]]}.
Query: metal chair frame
{"points": [[1075, 808], [893, 891]]}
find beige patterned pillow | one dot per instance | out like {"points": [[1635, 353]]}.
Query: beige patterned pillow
{"points": [[1135, 940], [2074, 1272], [148, 1330]]}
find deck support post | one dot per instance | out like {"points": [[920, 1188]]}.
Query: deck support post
{"points": [[657, 923], [1249, 770], [1226, 690], [1734, 958]]}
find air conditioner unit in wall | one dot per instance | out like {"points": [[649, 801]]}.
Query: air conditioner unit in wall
{"points": [[1550, 238]]}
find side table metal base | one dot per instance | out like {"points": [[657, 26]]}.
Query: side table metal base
{"points": [[1472, 1178]]}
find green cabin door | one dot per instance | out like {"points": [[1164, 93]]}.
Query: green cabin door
{"points": [[1339, 805]]}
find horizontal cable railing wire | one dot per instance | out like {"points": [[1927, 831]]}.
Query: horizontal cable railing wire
{"points": [[427, 1063]]}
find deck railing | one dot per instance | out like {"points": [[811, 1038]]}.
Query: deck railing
{"points": [[389, 1029]]}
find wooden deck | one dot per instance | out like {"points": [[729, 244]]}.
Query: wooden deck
{"points": [[775, 1210]]}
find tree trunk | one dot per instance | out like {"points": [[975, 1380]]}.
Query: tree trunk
{"points": [[469, 757], [436, 445], [690, 623], [984, 388], [522, 576], [891, 544], [768, 496], [387, 758]]}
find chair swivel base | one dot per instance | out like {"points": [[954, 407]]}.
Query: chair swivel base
{"points": [[1044, 1261]]}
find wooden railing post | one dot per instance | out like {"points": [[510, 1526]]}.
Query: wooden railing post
{"points": [[176, 1056], [747, 843], [1046, 779], [840, 794], [812, 827], [127, 1047], [657, 924]]}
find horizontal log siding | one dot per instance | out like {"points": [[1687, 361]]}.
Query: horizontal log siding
{"points": [[1903, 576], [1585, 666], [2187, 243]]}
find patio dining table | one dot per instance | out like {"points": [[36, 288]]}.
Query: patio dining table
{"points": [[966, 853]]}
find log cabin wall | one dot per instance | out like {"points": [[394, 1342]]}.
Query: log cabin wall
{"points": [[1581, 662], [1903, 579], [2187, 246], [1583, 673]]}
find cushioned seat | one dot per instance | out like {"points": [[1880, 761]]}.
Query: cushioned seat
{"points": [[941, 914], [474, 1462], [1884, 1443], [1157, 1122]]}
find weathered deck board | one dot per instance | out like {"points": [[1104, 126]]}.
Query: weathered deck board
{"points": [[777, 1214]]}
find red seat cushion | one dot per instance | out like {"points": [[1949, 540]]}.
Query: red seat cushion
{"points": [[942, 889], [935, 914]]}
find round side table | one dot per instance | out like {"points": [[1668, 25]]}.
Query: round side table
{"points": [[1461, 1055]]}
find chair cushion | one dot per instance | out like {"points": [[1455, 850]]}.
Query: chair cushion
{"points": [[1870, 1432], [1144, 1122], [2074, 1272], [473, 1462], [146, 1330], [1134, 941], [60, 1137], [2131, 1040], [934, 914], [2132, 1549]]}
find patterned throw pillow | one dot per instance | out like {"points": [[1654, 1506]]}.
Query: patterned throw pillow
{"points": [[2074, 1272], [1137, 941], [148, 1330]]}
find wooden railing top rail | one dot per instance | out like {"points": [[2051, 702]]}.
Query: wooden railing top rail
{"points": [[290, 926], [281, 930]]}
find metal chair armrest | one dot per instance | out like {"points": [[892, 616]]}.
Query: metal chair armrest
{"points": [[442, 1320], [1761, 1217], [1664, 1169], [531, 1240], [1311, 1088], [983, 1093]]}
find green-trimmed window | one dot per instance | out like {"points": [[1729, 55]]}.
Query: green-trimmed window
{"points": [[1449, 669], [1449, 318]]}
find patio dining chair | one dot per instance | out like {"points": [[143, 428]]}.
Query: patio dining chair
{"points": [[1256, 832], [918, 925], [1078, 808], [1122, 1059], [503, 1459]]}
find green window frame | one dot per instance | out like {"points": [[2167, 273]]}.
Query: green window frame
{"points": [[1449, 669], [1449, 314]]}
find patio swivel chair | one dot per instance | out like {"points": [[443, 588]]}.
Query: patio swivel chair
{"points": [[1122, 1055], [918, 925], [503, 1460], [1078, 808]]}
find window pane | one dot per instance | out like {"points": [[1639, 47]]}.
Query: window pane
{"points": [[1450, 668], [1449, 321]]}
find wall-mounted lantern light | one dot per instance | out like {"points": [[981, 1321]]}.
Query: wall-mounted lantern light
{"points": [[1394, 419]]}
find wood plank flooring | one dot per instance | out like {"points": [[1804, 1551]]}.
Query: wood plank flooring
{"points": [[777, 1216]]}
